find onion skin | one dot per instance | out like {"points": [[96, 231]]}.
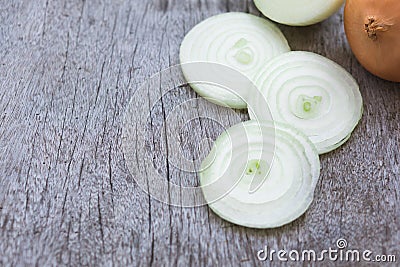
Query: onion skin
{"points": [[373, 30]]}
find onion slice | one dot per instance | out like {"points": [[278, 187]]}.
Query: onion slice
{"points": [[290, 179], [313, 94], [241, 41], [298, 12]]}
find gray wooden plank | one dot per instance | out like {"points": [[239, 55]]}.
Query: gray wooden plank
{"points": [[67, 72]]}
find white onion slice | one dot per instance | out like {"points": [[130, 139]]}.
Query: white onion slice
{"points": [[290, 180], [314, 95], [239, 40], [298, 12]]}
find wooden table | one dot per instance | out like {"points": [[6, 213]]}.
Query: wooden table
{"points": [[67, 72]]}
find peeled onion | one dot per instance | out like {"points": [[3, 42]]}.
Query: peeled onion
{"points": [[373, 31], [298, 12]]}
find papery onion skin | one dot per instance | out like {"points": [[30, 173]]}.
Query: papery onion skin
{"points": [[373, 31]]}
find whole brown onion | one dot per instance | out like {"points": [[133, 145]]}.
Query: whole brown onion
{"points": [[373, 31]]}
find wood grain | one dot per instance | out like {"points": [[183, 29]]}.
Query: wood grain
{"points": [[67, 72]]}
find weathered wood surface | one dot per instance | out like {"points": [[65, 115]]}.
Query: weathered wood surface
{"points": [[67, 71]]}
